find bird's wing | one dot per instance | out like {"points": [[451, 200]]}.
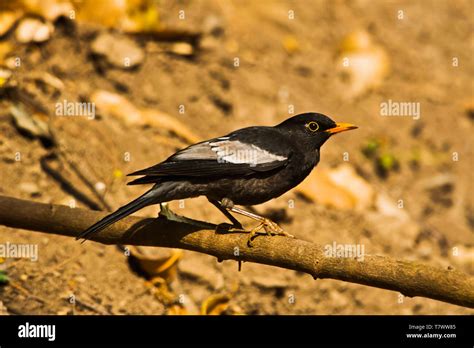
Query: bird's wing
{"points": [[247, 151]]}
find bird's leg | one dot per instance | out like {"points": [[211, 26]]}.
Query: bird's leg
{"points": [[224, 211], [270, 227], [166, 212]]}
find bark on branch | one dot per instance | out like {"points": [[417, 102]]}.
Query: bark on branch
{"points": [[407, 277]]}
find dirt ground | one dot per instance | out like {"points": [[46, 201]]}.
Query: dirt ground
{"points": [[438, 222]]}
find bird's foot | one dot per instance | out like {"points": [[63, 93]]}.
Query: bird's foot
{"points": [[271, 229]]}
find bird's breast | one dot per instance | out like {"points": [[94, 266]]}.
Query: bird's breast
{"points": [[262, 187]]}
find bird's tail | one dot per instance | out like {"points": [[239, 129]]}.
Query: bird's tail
{"points": [[137, 204]]}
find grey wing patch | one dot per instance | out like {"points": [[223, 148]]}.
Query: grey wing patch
{"points": [[224, 150], [236, 152], [201, 151], [220, 156]]}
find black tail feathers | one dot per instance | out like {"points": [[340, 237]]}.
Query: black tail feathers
{"points": [[135, 205]]}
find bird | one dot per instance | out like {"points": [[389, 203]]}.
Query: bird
{"points": [[246, 167]]}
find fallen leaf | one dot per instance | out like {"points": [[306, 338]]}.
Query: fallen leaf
{"points": [[118, 50], [182, 49], [363, 64], [157, 118], [33, 30], [340, 188], [112, 104], [215, 304], [162, 291], [176, 309], [34, 124], [157, 262], [345, 177], [117, 106]]}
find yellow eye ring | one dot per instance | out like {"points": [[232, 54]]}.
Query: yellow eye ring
{"points": [[312, 126]]}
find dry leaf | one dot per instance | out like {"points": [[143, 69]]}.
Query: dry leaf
{"points": [[33, 30], [346, 178], [34, 124], [117, 106], [157, 262], [182, 49], [161, 290], [317, 187], [160, 119], [339, 188], [112, 104], [176, 309], [215, 304], [118, 50], [363, 64]]}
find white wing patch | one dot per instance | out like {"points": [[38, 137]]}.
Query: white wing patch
{"points": [[234, 151], [200, 151], [224, 150]]}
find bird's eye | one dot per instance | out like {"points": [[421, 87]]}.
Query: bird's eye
{"points": [[312, 126]]}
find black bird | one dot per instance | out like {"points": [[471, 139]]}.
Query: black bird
{"points": [[246, 167]]}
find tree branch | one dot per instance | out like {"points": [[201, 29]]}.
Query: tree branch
{"points": [[407, 277]]}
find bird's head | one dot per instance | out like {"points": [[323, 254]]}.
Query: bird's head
{"points": [[312, 129]]}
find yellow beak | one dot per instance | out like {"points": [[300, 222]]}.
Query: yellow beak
{"points": [[341, 127]]}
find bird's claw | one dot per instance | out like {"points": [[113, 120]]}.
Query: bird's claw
{"points": [[271, 229]]}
